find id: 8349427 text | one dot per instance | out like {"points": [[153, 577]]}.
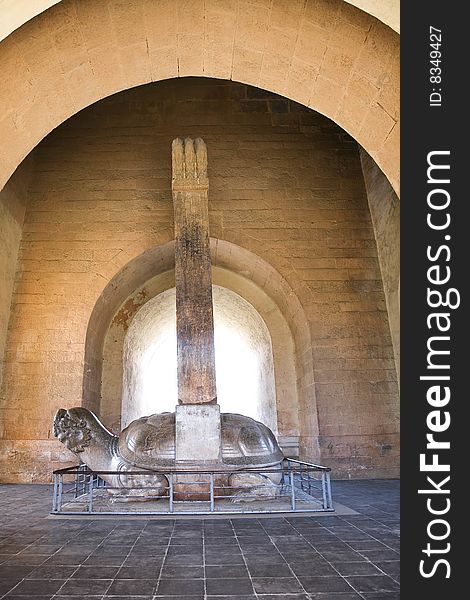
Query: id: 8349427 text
{"points": [[435, 66]]}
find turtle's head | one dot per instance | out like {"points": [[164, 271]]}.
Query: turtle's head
{"points": [[73, 427]]}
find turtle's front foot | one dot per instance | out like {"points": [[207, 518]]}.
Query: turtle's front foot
{"points": [[247, 487]]}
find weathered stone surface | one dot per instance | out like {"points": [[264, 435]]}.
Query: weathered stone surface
{"points": [[384, 207], [13, 200], [194, 314], [198, 438]]}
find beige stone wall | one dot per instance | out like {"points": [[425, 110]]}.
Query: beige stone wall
{"points": [[12, 209], [384, 207], [285, 184]]}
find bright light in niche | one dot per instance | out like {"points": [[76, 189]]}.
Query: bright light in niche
{"points": [[237, 371], [243, 354]]}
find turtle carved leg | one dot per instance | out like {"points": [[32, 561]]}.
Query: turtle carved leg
{"points": [[254, 486], [138, 487]]}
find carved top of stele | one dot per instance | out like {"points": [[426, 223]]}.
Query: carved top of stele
{"points": [[189, 165]]}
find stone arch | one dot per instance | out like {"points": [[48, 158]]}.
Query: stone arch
{"points": [[325, 54], [239, 270], [21, 13]]}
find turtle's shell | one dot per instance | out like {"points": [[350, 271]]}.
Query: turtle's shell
{"points": [[149, 442]]}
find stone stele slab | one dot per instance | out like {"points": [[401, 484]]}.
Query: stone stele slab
{"points": [[198, 434]]}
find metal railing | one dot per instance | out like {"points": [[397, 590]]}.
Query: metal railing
{"points": [[303, 487]]}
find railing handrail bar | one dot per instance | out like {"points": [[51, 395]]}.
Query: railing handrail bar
{"points": [[302, 462], [79, 469]]}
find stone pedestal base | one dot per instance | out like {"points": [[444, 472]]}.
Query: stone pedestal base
{"points": [[198, 447]]}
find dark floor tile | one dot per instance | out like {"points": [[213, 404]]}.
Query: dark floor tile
{"points": [[317, 568], [95, 573], [66, 559], [380, 555], [229, 571], [180, 572], [375, 583], [6, 585], [26, 559], [79, 597], [325, 584], [225, 559], [38, 587], [144, 561], [138, 572], [367, 545], [200, 597], [269, 570], [276, 585], [338, 546], [291, 537], [131, 597], [11, 548], [381, 596], [85, 587], [263, 559], [42, 549], [84, 550], [31, 597], [136, 587], [230, 548], [51, 572], [104, 561], [149, 550], [180, 587], [243, 597], [254, 540], [226, 548], [390, 567], [357, 568], [335, 557], [229, 587], [184, 560], [112, 551], [284, 597], [354, 536], [15, 571], [183, 551], [352, 595]]}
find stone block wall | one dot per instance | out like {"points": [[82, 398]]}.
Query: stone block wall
{"points": [[13, 200], [384, 207], [285, 183]]}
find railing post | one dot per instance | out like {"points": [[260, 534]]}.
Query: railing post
{"points": [[90, 493], [323, 490], [212, 491], [59, 492], [328, 489], [170, 492], [292, 489], [54, 493]]}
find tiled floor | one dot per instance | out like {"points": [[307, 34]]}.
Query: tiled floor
{"points": [[292, 558]]}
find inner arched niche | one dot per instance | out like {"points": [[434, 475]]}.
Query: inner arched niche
{"points": [[236, 269], [243, 356], [286, 392]]}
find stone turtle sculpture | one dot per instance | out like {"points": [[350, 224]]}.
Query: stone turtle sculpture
{"points": [[148, 443]]}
